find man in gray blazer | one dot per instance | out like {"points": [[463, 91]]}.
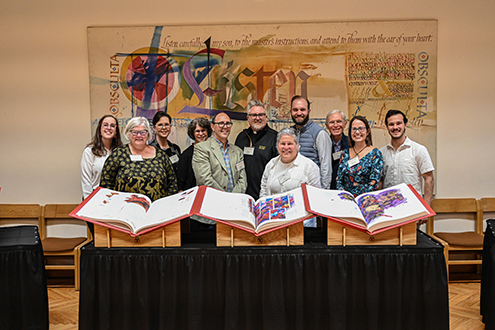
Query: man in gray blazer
{"points": [[217, 163]]}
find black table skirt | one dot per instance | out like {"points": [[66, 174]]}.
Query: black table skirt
{"points": [[199, 286], [24, 297], [487, 298]]}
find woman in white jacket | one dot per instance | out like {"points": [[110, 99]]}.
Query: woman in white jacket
{"points": [[106, 138], [289, 169]]}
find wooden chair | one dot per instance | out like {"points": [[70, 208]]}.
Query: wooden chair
{"points": [[487, 205], [20, 214], [458, 246], [62, 246]]}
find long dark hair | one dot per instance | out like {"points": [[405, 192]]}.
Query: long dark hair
{"points": [[97, 147], [368, 140]]}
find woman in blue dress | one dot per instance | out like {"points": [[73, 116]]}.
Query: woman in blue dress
{"points": [[361, 165]]}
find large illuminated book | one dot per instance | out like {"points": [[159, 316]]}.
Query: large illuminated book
{"points": [[372, 212]]}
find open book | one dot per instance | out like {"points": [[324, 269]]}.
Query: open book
{"points": [[372, 212], [135, 214], [258, 217]]}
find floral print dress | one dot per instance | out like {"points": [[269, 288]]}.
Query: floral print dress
{"points": [[362, 177]]}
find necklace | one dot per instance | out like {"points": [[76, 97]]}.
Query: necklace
{"points": [[357, 153]]}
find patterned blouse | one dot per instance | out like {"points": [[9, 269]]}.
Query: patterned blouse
{"points": [[363, 177], [153, 177]]}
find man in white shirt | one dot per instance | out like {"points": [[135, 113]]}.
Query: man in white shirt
{"points": [[406, 161]]}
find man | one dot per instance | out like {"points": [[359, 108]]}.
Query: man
{"points": [[406, 161], [314, 141], [218, 164], [336, 122], [259, 143]]}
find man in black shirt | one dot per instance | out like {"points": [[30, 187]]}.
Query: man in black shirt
{"points": [[259, 145]]}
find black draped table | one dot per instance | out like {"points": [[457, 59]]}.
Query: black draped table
{"points": [[24, 298], [199, 286], [487, 298]]}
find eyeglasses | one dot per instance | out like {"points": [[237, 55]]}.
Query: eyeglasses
{"points": [[160, 126], [257, 115], [136, 133], [360, 129], [224, 124], [335, 122], [107, 125]]}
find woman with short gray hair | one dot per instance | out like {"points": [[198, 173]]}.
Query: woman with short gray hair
{"points": [[138, 167]]}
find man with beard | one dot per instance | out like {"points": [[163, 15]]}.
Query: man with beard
{"points": [[336, 122], [406, 161], [314, 141], [258, 143]]}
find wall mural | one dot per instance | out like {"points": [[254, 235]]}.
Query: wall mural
{"points": [[363, 68]]}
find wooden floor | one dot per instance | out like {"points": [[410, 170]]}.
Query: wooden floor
{"points": [[464, 302]]}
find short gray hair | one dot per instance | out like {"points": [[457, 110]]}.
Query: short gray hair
{"points": [[336, 111], [255, 103], [288, 131], [136, 121]]}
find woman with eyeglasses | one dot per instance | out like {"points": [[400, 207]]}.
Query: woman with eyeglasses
{"points": [[361, 165], [139, 167], [106, 138], [199, 130], [162, 124]]}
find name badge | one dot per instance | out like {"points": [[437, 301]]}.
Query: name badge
{"points": [[249, 151], [174, 159], [284, 178], [353, 161], [136, 158], [240, 166], [336, 155]]}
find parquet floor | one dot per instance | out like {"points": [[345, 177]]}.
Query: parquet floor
{"points": [[464, 302]]}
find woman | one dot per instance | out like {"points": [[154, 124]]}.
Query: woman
{"points": [[289, 169], [162, 124], [199, 129], [106, 138], [139, 167], [361, 165]]}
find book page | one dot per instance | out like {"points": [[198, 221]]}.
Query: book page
{"points": [[388, 206], [334, 203], [109, 206], [228, 206], [278, 209], [169, 208]]}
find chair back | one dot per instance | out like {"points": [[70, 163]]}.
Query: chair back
{"points": [[20, 214]]}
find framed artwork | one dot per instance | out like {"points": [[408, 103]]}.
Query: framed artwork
{"points": [[363, 68]]}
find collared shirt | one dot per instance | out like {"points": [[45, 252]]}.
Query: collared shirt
{"points": [[226, 159], [337, 146], [406, 165]]}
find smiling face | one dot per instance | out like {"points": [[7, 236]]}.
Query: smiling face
{"points": [[358, 131], [200, 134], [108, 128], [257, 118], [396, 126], [162, 127], [336, 124], [300, 112], [221, 133], [138, 136], [287, 149]]}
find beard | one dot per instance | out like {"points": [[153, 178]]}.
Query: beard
{"points": [[398, 137], [300, 121]]}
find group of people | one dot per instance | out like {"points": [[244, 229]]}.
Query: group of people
{"points": [[261, 162]]}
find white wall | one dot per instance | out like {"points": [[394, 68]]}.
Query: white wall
{"points": [[44, 89]]}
